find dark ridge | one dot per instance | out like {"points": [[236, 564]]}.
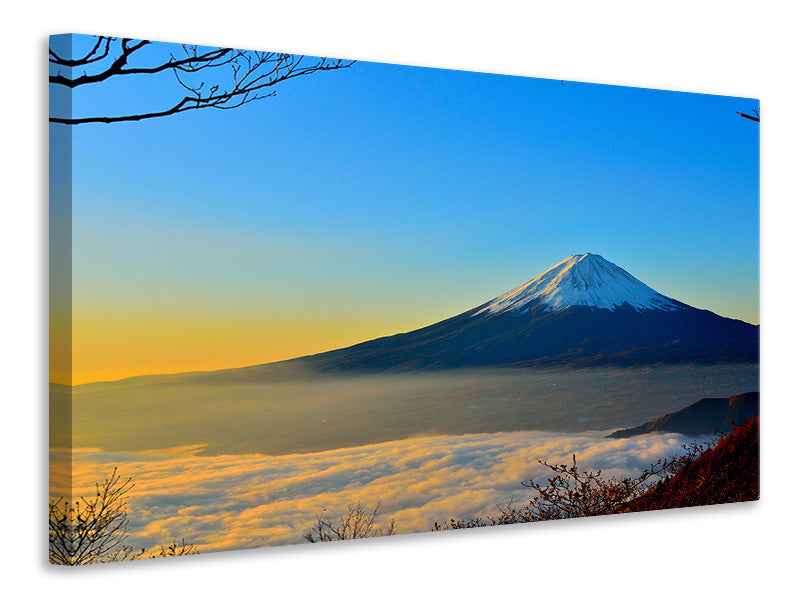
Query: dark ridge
{"points": [[706, 416]]}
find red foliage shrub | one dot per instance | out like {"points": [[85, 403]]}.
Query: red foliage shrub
{"points": [[728, 472]]}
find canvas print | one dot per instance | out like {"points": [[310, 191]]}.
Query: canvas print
{"points": [[299, 299]]}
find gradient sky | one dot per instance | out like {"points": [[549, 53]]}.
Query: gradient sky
{"points": [[381, 198]]}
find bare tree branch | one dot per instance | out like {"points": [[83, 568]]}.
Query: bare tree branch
{"points": [[249, 75], [756, 116], [89, 58], [357, 523], [94, 530], [573, 493]]}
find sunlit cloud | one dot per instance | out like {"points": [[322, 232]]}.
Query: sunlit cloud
{"points": [[247, 501]]}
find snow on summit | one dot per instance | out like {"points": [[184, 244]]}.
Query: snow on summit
{"points": [[582, 280]]}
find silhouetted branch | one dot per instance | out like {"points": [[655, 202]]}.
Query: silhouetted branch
{"points": [[94, 530], [249, 75], [572, 493], [756, 116], [356, 523]]}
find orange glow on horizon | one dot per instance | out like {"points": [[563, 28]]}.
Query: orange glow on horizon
{"points": [[112, 347]]}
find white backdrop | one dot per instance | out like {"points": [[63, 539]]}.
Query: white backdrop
{"points": [[732, 48]]}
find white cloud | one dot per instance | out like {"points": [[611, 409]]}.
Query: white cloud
{"points": [[246, 501]]}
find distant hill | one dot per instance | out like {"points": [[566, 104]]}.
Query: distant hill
{"points": [[708, 415]]}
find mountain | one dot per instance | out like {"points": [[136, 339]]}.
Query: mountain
{"points": [[705, 416], [581, 280], [583, 311]]}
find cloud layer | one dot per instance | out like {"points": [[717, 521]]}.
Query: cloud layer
{"points": [[247, 501]]}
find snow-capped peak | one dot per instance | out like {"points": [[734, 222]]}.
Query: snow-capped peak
{"points": [[582, 280]]}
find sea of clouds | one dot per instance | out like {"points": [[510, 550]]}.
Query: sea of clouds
{"points": [[253, 500]]}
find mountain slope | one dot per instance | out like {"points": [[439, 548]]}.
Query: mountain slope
{"points": [[583, 311]]}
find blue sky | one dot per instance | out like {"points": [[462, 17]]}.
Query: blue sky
{"points": [[402, 195]]}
